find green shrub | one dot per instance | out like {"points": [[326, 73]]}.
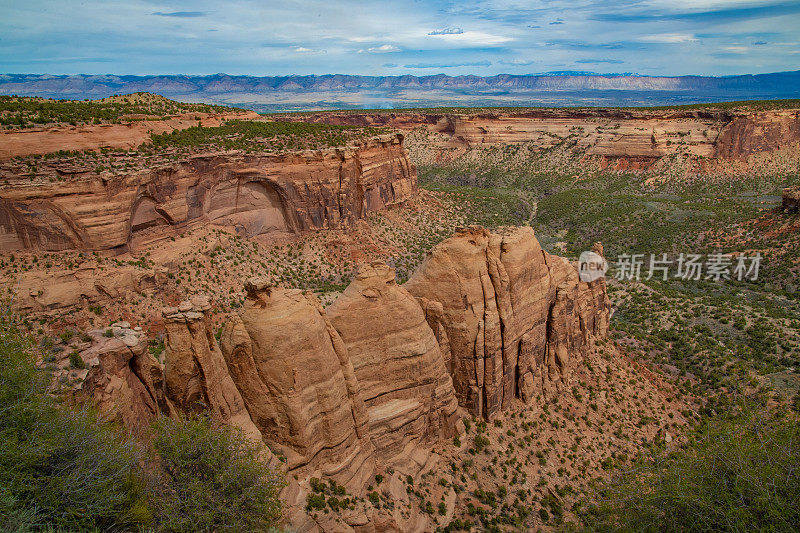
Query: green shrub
{"points": [[738, 474], [75, 360], [315, 501], [59, 468], [210, 478]]}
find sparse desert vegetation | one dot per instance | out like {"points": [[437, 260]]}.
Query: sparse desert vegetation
{"points": [[30, 112], [662, 398]]}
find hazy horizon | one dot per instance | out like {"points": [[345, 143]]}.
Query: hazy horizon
{"points": [[311, 37]]}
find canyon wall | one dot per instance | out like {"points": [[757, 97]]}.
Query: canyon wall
{"points": [[516, 318], [383, 376], [254, 194], [640, 137]]}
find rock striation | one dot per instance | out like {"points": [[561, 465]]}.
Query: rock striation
{"points": [[298, 383], [125, 136], [121, 377], [253, 194], [196, 377], [516, 318], [400, 370], [631, 139]]}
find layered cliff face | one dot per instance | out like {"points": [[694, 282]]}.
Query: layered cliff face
{"points": [[93, 137], [516, 319], [196, 377], [636, 138], [758, 132], [289, 193], [296, 377], [400, 370]]}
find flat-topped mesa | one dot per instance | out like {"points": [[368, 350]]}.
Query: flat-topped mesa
{"points": [[400, 370], [251, 194], [298, 383], [195, 375], [635, 139], [516, 318]]}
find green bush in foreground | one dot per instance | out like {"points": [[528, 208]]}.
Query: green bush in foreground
{"points": [[59, 468], [736, 475], [62, 469], [210, 479]]}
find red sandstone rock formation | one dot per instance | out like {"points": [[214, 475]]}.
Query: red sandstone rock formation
{"points": [[196, 377], [92, 137], [297, 380], [516, 319], [791, 198], [291, 192], [122, 378], [400, 370], [633, 139], [374, 382]]}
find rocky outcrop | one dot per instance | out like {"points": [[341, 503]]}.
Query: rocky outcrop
{"points": [[92, 137], [298, 382], [757, 132], [791, 199], [253, 194], [516, 318], [196, 377], [60, 290], [122, 378], [398, 364]]}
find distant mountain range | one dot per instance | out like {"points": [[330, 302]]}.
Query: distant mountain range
{"points": [[287, 93]]}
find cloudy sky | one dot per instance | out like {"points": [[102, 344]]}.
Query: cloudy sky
{"points": [[654, 37]]}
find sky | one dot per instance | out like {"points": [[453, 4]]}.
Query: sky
{"points": [[261, 38]]}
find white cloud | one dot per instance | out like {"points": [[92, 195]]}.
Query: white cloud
{"points": [[447, 31], [703, 5], [364, 38], [668, 38], [304, 50], [471, 38], [382, 49], [518, 62]]}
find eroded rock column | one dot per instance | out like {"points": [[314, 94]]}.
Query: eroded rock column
{"points": [[402, 376], [295, 376]]}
